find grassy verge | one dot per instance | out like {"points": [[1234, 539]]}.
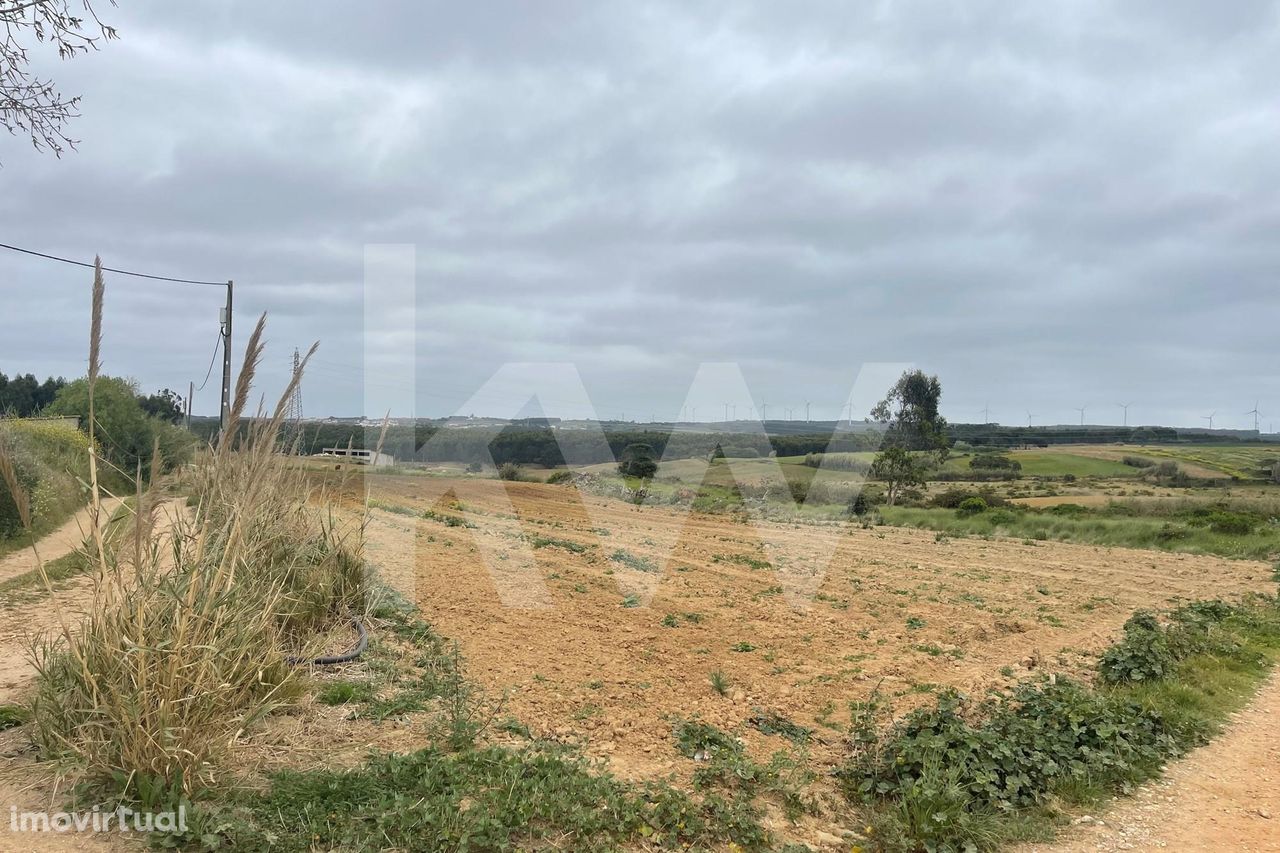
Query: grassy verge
{"points": [[29, 586], [47, 462], [1093, 528], [964, 775]]}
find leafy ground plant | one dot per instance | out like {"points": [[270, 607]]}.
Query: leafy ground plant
{"points": [[964, 775], [484, 798]]}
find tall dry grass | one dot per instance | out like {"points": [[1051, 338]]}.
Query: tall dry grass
{"points": [[186, 641]]}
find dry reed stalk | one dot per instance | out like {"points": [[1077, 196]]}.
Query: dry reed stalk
{"points": [[178, 657], [95, 366]]}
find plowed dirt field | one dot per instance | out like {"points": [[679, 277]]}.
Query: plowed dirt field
{"points": [[602, 621]]}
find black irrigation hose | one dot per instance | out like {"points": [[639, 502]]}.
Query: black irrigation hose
{"points": [[346, 657]]}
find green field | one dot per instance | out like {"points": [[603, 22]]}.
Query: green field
{"points": [[1040, 463]]}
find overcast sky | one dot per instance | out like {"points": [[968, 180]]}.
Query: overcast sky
{"points": [[1048, 205]]}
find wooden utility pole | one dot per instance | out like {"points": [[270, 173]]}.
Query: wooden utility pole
{"points": [[226, 358]]}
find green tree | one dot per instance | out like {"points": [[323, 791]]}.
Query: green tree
{"points": [[899, 468], [165, 404], [23, 396], [912, 425], [125, 432], [638, 460], [910, 413]]}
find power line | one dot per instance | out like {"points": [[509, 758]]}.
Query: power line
{"points": [[226, 316], [216, 344], [110, 269]]}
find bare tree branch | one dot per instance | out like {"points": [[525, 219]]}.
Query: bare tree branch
{"points": [[29, 105]]}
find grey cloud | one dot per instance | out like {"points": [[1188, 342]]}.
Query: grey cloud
{"points": [[1048, 204]]}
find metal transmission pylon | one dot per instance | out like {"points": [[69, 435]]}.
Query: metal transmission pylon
{"points": [[292, 432]]}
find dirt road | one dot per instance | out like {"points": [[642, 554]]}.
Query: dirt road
{"points": [[24, 784], [57, 544]]}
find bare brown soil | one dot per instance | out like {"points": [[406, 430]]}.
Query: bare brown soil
{"points": [[897, 611]]}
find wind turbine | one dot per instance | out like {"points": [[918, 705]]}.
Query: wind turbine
{"points": [[1029, 416], [1081, 409], [986, 413], [806, 411], [1256, 414], [1209, 418], [1125, 406]]}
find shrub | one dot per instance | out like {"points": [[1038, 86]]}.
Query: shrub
{"points": [[994, 462], [474, 467], [562, 476], [1149, 650], [953, 497], [1138, 462], [1231, 523], [510, 471], [638, 460], [737, 452], [861, 504], [1068, 510], [126, 433], [970, 507], [1024, 744], [1142, 655], [964, 775]]}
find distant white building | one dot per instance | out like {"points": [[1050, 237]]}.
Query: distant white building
{"points": [[358, 456]]}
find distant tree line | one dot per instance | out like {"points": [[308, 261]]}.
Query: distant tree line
{"points": [[546, 446], [130, 423], [523, 444], [24, 396], [993, 435]]}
